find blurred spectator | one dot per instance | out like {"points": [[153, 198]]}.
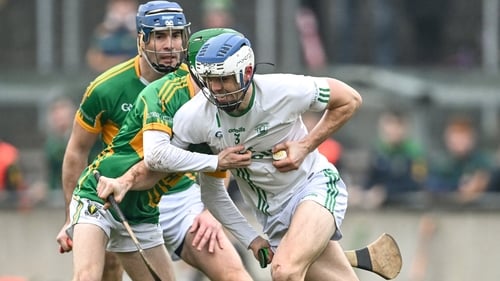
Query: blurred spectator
{"points": [[462, 169], [313, 50], [458, 176], [330, 148], [12, 186], [115, 39], [397, 167], [220, 13], [217, 13], [59, 124]]}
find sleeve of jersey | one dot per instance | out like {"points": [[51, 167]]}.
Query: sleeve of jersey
{"points": [[321, 94], [90, 112], [160, 155], [218, 202]]}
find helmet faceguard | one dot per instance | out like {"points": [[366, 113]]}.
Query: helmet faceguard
{"points": [[195, 43], [222, 61], [157, 17]]}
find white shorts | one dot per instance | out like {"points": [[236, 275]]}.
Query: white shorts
{"points": [[177, 213], [91, 212], [317, 188]]}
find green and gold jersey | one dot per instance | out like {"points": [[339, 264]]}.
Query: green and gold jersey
{"points": [[109, 98], [154, 108]]}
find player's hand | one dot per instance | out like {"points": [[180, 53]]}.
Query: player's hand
{"points": [[107, 186], [258, 244], [207, 231], [62, 238], [234, 157], [296, 153]]}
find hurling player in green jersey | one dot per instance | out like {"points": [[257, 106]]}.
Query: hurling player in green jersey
{"points": [[182, 216], [104, 106], [151, 119]]}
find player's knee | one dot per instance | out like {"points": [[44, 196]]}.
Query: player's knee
{"points": [[86, 276], [285, 272], [115, 274], [231, 272], [232, 275], [113, 270], [112, 261]]}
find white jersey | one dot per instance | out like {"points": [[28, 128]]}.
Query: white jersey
{"points": [[273, 116]]}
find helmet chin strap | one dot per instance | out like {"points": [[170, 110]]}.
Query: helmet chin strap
{"points": [[244, 89], [159, 68], [234, 106], [164, 69], [230, 108]]}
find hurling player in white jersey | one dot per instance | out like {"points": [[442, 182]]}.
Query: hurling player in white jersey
{"points": [[300, 200]]}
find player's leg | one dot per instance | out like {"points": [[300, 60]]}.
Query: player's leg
{"points": [[88, 230], [223, 264], [137, 269], [113, 270], [331, 265], [177, 213], [315, 213], [307, 240], [307, 236], [89, 243], [150, 238]]}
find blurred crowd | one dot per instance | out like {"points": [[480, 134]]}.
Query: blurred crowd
{"points": [[399, 170], [403, 173], [384, 33]]}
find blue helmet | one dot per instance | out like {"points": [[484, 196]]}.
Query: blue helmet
{"points": [[228, 54], [199, 38], [160, 16]]}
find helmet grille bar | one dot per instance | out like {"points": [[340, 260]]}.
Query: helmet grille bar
{"points": [[223, 50], [158, 11]]}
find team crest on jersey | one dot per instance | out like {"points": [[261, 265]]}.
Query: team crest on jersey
{"points": [[262, 128], [218, 134]]}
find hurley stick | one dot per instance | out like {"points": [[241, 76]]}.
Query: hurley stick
{"points": [[114, 204], [381, 257]]}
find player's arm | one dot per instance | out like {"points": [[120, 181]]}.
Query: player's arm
{"points": [[161, 155], [161, 158], [75, 160], [342, 104], [138, 177], [475, 186], [215, 197]]}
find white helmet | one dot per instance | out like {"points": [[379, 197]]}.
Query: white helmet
{"points": [[228, 54]]}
